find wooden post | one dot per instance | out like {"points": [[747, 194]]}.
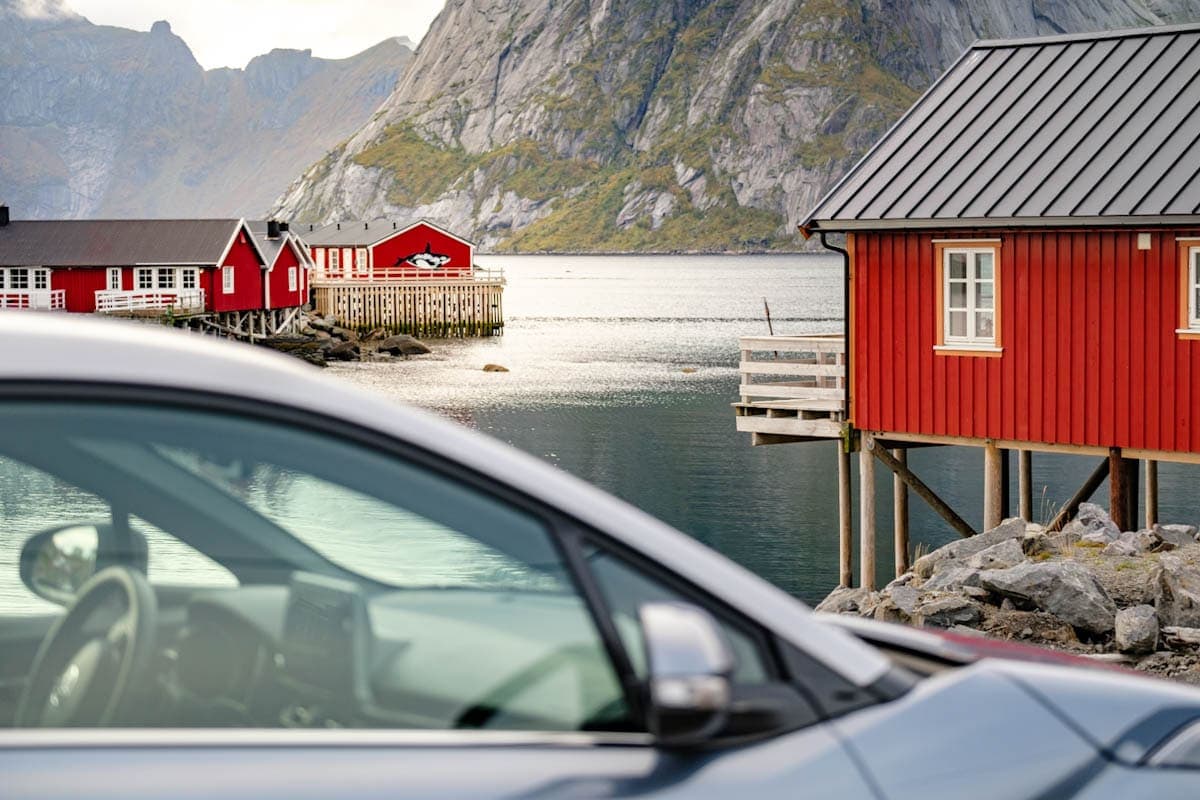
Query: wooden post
{"points": [[1025, 483], [925, 493], [1005, 500], [1122, 489], [845, 523], [1151, 494], [866, 517], [1072, 507], [993, 513], [900, 514]]}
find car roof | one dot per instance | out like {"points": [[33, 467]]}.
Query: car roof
{"points": [[57, 348]]}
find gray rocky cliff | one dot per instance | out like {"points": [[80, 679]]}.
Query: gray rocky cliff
{"points": [[101, 121], [626, 124]]}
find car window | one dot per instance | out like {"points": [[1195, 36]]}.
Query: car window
{"points": [[372, 590], [626, 588]]}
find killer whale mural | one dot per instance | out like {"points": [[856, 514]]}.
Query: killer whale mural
{"points": [[425, 260]]}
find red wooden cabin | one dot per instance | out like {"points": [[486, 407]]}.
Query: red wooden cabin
{"points": [[285, 284], [1022, 254], [189, 266], [384, 251]]}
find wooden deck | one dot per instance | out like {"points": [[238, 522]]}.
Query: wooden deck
{"points": [[809, 404]]}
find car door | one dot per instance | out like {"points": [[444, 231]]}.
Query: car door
{"points": [[394, 625]]}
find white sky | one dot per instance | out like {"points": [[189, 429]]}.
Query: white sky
{"points": [[228, 33]]}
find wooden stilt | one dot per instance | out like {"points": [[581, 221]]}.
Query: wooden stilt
{"points": [[1072, 507], [1025, 483], [925, 493], [1151, 494], [993, 513], [900, 515], [866, 517], [1005, 500], [845, 523], [1122, 490]]}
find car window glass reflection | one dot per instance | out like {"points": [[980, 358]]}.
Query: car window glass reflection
{"points": [[302, 581]]}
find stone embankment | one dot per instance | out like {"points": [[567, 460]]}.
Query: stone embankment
{"points": [[1129, 597], [320, 340]]}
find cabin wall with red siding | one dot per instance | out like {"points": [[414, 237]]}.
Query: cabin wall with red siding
{"points": [[391, 252], [247, 292], [280, 297], [1087, 326], [80, 285]]}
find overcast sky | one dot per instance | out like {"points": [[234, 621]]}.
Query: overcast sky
{"points": [[228, 33]]}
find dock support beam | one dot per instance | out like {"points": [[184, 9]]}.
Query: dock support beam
{"points": [[900, 514], [866, 517], [845, 524], [1151, 494], [922, 491], [1069, 511], [993, 511], [1122, 490], [1025, 483]]}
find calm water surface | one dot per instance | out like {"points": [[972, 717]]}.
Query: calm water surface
{"points": [[597, 347]]}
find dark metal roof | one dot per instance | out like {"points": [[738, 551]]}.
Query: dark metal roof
{"points": [[1089, 129], [120, 242], [361, 234]]}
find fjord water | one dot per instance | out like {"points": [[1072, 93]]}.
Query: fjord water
{"points": [[601, 352]]}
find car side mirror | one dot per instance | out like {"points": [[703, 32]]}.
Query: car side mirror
{"points": [[689, 665], [57, 562]]}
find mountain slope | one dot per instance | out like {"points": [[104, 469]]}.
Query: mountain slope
{"points": [[628, 124], [102, 121]]}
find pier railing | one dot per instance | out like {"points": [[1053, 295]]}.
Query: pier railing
{"points": [[110, 300], [409, 274], [812, 369], [35, 299]]}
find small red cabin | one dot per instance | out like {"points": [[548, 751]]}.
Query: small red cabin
{"points": [[384, 251], [188, 266], [285, 284], [1022, 257]]}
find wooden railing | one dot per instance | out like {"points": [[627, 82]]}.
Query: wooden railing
{"points": [[383, 274], [35, 299], [814, 368], [108, 300]]}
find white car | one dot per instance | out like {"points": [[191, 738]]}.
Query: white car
{"points": [[226, 575]]}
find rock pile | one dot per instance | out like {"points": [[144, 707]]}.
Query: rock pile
{"points": [[320, 340], [1089, 589]]}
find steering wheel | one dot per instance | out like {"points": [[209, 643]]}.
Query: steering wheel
{"points": [[91, 658]]}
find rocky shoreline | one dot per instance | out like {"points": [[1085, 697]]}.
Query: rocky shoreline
{"points": [[319, 340], [1126, 597]]}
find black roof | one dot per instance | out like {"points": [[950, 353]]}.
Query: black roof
{"points": [[115, 242], [1089, 129]]}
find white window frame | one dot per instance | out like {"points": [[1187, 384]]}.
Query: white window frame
{"points": [[166, 278], [143, 278], [227, 280], [334, 258], [18, 278], [1193, 286], [293, 279], [113, 280], [40, 278], [971, 340], [189, 278], [361, 261]]}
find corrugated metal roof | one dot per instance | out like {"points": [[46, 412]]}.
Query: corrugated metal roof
{"points": [[348, 234], [121, 242], [1085, 129]]}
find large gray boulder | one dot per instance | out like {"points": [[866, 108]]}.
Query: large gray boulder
{"points": [[948, 612], [343, 351], [951, 578], [1178, 535], [1093, 524], [963, 549], [1137, 630], [1065, 589], [999, 556], [403, 345], [843, 600], [1178, 586]]}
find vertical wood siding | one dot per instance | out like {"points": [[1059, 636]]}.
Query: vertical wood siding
{"points": [[278, 278], [391, 252], [248, 290], [80, 285], [1090, 354]]}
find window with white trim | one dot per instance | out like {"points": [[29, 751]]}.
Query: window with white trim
{"points": [[41, 279], [1193, 288], [145, 278], [333, 261], [227, 280], [360, 261], [166, 278], [18, 278], [293, 278], [114, 278], [189, 278], [969, 313]]}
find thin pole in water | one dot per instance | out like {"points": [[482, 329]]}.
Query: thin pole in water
{"points": [[770, 327]]}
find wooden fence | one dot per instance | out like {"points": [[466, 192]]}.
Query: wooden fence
{"points": [[434, 309]]}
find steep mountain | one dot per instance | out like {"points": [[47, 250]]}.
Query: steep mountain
{"points": [[630, 124], [100, 121]]}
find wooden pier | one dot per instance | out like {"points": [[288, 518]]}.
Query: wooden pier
{"points": [[431, 308]]}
